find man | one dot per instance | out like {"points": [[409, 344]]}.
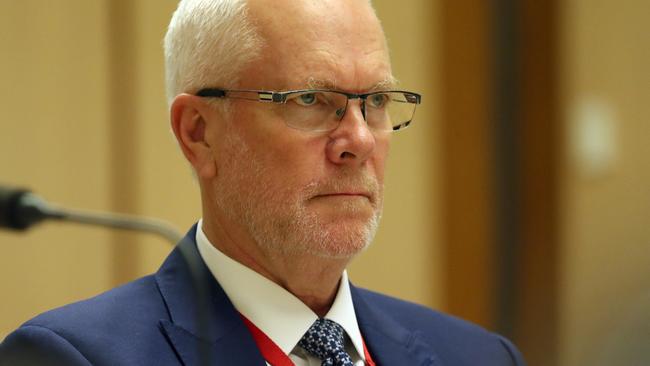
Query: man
{"points": [[285, 110]]}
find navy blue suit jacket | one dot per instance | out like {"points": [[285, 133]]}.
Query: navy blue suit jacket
{"points": [[162, 319]]}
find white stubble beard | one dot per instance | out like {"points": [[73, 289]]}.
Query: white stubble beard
{"points": [[277, 219]]}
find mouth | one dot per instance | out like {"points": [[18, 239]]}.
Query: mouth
{"points": [[358, 188], [346, 194]]}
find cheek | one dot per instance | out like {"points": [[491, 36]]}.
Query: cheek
{"points": [[301, 161], [290, 155]]}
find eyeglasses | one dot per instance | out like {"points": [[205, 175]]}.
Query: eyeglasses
{"points": [[322, 110]]}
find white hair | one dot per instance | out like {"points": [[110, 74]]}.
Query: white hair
{"points": [[207, 43]]}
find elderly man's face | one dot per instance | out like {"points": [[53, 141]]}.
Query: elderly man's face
{"points": [[294, 191]]}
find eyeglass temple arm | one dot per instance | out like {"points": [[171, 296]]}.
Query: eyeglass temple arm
{"points": [[219, 93], [262, 96]]}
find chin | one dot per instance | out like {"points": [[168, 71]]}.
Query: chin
{"points": [[343, 240], [338, 250], [313, 232]]}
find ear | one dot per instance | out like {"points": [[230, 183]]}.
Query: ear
{"points": [[188, 119]]}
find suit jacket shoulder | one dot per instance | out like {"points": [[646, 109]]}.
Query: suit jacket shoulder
{"points": [[95, 331], [451, 340], [178, 316]]}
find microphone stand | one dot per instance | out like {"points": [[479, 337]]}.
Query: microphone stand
{"points": [[24, 209], [119, 221]]}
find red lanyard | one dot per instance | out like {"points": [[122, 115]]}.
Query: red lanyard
{"points": [[274, 355]]}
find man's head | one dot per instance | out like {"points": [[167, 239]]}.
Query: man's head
{"points": [[288, 191]]}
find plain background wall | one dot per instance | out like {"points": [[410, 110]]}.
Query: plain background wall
{"points": [[605, 289], [55, 128]]}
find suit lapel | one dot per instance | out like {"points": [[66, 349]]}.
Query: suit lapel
{"points": [[389, 343], [204, 327], [236, 348]]}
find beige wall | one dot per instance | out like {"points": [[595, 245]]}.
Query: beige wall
{"points": [[84, 123], [605, 289], [53, 98]]}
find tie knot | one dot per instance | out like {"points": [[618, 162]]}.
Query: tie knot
{"points": [[325, 339]]}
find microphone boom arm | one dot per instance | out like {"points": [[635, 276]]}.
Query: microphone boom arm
{"points": [[119, 221], [20, 209]]}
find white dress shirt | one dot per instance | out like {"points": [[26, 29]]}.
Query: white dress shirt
{"points": [[277, 312]]}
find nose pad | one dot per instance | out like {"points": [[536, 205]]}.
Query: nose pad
{"points": [[340, 113]]}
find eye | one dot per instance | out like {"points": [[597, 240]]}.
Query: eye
{"points": [[378, 100], [306, 99]]}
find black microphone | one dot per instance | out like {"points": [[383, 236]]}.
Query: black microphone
{"points": [[20, 209]]}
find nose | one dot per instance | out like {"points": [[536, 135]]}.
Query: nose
{"points": [[352, 142]]}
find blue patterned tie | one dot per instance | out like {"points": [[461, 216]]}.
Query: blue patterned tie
{"points": [[325, 340]]}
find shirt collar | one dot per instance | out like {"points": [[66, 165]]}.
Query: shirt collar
{"points": [[274, 310]]}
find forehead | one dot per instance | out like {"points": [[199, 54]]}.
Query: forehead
{"points": [[331, 43], [386, 84]]}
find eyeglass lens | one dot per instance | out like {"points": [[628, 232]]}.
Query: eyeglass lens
{"points": [[323, 110]]}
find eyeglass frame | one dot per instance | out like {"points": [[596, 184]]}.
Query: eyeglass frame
{"points": [[280, 97]]}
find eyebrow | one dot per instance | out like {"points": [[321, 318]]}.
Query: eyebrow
{"points": [[388, 83]]}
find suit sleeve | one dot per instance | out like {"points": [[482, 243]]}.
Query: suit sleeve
{"points": [[517, 358], [35, 345]]}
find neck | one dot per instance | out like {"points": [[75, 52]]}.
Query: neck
{"points": [[314, 280]]}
